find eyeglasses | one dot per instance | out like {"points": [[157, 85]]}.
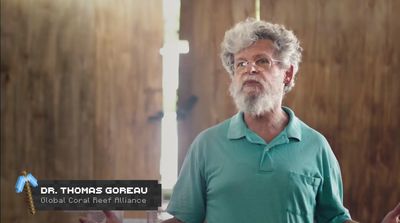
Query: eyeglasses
{"points": [[264, 63]]}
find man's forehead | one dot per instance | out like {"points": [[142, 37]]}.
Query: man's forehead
{"points": [[259, 47]]}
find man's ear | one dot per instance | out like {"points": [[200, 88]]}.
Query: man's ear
{"points": [[289, 75]]}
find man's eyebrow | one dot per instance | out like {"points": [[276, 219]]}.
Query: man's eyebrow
{"points": [[240, 58], [255, 56], [261, 55]]}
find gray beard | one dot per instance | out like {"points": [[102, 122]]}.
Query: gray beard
{"points": [[254, 105]]}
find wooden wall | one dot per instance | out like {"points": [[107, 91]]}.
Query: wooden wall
{"points": [[201, 74], [347, 85], [80, 81]]}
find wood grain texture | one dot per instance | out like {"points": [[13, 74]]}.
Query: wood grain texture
{"points": [[79, 81], [203, 24], [347, 89]]}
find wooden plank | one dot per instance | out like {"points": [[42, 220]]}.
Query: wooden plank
{"points": [[202, 75], [79, 81], [347, 90]]}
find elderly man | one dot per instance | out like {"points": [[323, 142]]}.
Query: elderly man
{"points": [[263, 165]]}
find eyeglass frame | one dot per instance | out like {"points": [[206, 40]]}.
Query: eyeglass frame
{"points": [[254, 63]]}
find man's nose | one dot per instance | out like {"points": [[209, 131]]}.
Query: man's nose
{"points": [[252, 68]]}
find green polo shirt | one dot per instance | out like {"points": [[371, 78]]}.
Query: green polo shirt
{"points": [[231, 175]]}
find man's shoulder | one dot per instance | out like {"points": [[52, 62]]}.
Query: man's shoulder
{"points": [[216, 131], [311, 134], [207, 139]]}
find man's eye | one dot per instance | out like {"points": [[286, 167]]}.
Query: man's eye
{"points": [[263, 61], [241, 64]]}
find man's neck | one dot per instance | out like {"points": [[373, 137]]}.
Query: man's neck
{"points": [[269, 124]]}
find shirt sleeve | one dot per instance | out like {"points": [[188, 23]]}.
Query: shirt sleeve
{"points": [[330, 206], [189, 197]]}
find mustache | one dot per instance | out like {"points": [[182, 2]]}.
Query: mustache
{"points": [[252, 79]]}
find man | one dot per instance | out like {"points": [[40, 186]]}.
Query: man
{"points": [[263, 164]]}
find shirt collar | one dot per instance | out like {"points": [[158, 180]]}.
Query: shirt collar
{"points": [[237, 127], [293, 129]]}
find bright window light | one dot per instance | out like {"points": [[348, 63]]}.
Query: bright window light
{"points": [[170, 81]]}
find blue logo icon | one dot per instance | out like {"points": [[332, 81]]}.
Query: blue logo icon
{"points": [[21, 181]]}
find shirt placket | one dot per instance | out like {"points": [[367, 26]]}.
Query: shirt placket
{"points": [[266, 161]]}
